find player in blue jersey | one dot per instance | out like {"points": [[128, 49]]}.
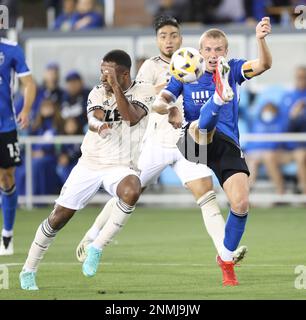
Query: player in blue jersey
{"points": [[11, 59], [211, 105]]}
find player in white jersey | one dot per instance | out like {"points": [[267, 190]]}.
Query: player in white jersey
{"points": [[117, 118], [160, 150]]}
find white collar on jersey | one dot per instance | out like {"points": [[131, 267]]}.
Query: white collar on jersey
{"points": [[164, 60], [132, 84]]}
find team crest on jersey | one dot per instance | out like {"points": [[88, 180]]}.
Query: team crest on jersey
{"points": [[149, 99], [1, 58], [129, 97]]}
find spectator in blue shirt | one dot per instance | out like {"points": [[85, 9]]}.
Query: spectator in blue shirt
{"points": [[86, 17], [294, 110], [75, 98], [49, 89], [64, 21], [269, 120], [48, 123]]}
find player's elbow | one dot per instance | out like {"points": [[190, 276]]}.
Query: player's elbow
{"points": [[267, 65]]}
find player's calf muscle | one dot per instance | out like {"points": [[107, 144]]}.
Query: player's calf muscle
{"points": [[59, 217]]}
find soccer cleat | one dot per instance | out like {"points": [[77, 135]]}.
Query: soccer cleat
{"points": [[91, 263], [81, 250], [27, 280], [239, 254], [223, 89], [228, 273], [6, 246]]}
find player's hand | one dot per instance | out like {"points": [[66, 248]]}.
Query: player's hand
{"points": [[105, 130], [109, 74], [263, 28], [23, 120], [175, 117]]}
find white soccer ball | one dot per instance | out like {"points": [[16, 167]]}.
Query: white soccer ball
{"points": [[187, 65]]}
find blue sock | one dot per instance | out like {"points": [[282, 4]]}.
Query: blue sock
{"points": [[9, 205], [234, 230], [209, 115]]}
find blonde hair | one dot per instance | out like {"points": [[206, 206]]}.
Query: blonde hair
{"points": [[215, 34]]}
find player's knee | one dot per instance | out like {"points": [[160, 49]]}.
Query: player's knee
{"points": [[300, 158], [6, 180], [59, 217], [130, 195], [240, 205], [129, 190]]}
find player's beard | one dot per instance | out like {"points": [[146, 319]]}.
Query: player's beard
{"points": [[168, 55]]}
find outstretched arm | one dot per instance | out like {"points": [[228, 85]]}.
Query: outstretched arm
{"points": [[256, 67]]}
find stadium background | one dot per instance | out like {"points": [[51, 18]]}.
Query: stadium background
{"points": [[128, 26]]}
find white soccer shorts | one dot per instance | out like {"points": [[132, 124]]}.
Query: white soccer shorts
{"points": [[154, 158], [83, 183]]}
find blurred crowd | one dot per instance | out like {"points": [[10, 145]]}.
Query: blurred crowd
{"points": [[276, 110], [227, 11], [73, 15], [56, 111]]}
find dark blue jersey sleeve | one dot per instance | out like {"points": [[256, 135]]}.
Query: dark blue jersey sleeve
{"points": [[19, 63], [236, 69], [174, 88]]}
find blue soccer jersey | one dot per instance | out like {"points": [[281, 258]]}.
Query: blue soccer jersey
{"points": [[12, 61], [195, 94]]}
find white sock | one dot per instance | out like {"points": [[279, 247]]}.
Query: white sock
{"points": [[218, 100], [7, 233], [226, 255], [213, 219], [120, 213], [43, 238], [101, 219]]}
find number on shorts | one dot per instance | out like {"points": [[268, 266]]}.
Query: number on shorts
{"points": [[14, 149]]}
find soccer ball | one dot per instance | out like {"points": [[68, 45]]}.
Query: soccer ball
{"points": [[187, 65]]}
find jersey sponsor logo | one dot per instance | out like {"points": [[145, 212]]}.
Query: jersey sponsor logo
{"points": [[112, 116], [129, 97], [2, 58], [200, 96]]}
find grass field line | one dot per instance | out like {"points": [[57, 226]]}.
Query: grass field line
{"points": [[14, 264]]}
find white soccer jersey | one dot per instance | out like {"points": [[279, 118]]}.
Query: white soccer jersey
{"points": [[156, 71], [122, 147]]}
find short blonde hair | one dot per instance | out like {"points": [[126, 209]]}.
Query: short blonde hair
{"points": [[215, 34]]}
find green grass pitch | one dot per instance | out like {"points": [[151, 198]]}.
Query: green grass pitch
{"points": [[164, 254]]}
